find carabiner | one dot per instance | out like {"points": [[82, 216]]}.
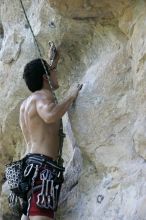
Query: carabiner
{"points": [[28, 170]]}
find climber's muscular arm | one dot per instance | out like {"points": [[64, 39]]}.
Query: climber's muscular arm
{"points": [[51, 112]]}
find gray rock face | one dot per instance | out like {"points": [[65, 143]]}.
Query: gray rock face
{"points": [[103, 46]]}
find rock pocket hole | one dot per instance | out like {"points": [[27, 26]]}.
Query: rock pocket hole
{"points": [[1, 34]]}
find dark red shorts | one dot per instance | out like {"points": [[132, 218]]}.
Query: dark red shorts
{"points": [[34, 210]]}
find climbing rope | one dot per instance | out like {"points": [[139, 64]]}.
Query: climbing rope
{"points": [[39, 51]]}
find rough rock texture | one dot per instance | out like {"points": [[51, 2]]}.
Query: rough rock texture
{"points": [[103, 46]]}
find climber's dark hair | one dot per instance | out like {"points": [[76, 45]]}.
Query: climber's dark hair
{"points": [[33, 74]]}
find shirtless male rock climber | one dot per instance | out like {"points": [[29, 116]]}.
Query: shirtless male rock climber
{"points": [[40, 122]]}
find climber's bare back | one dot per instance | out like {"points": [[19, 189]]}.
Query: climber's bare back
{"points": [[40, 135]]}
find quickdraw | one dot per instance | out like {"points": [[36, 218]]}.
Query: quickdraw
{"points": [[27, 170], [48, 197]]}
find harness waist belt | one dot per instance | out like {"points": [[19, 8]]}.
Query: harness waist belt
{"points": [[42, 159]]}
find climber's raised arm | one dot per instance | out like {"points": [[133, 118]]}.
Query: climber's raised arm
{"points": [[51, 112]]}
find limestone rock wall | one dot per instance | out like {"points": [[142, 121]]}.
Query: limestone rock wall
{"points": [[103, 46]]}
